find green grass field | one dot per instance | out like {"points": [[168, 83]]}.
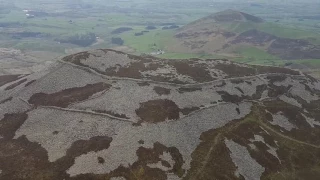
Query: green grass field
{"points": [[148, 42], [41, 45], [248, 54], [312, 63], [253, 55]]}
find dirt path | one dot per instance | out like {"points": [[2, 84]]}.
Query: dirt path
{"points": [[207, 158], [286, 137], [86, 112]]}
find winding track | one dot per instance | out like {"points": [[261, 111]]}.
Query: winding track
{"points": [[87, 69]]}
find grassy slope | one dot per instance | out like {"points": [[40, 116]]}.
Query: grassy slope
{"points": [[145, 43], [255, 55], [312, 63], [271, 28], [40, 45], [251, 55]]}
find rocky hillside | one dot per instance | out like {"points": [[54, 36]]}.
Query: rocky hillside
{"points": [[15, 61], [105, 114], [213, 35]]}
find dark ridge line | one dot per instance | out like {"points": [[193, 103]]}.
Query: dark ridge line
{"points": [[157, 58]]}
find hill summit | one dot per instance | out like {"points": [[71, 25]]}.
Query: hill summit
{"points": [[232, 16], [226, 16], [229, 31]]}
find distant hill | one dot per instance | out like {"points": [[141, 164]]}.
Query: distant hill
{"points": [[107, 115], [232, 16], [227, 31]]}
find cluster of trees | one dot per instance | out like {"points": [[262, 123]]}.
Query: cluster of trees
{"points": [[117, 40], [151, 27], [141, 33], [121, 30], [26, 34], [138, 34], [170, 27], [80, 39], [167, 24]]}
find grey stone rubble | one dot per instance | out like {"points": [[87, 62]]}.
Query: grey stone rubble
{"points": [[71, 127], [101, 60], [126, 96], [280, 120], [247, 166], [311, 121], [289, 100], [72, 77], [166, 157], [118, 178], [271, 150], [13, 106], [182, 134], [35, 76], [298, 89]]}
